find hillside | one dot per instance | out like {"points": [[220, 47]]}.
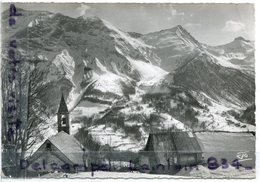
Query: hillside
{"points": [[121, 85]]}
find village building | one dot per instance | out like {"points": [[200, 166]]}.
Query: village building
{"points": [[61, 152], [167, 151]]}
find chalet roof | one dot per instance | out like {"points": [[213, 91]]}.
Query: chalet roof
{"points": [[233, 141], [228, 145], [181, 142], [63, 106], [69, 146]]}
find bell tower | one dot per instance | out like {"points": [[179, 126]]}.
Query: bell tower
{"points": [[63, 116]]}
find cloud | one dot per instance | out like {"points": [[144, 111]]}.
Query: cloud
{"points": [[82, 10], [193, 25], [233, 26]]}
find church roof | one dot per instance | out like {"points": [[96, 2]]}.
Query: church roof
{"points": [[63, 106], [69, 146]]}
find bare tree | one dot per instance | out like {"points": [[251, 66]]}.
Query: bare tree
{"points": [[28, 114]]}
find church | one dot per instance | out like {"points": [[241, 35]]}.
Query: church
{"points": [[61, 152]]}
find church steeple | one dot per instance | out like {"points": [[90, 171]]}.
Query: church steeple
{"points": [[63, 116], [63, 107]]}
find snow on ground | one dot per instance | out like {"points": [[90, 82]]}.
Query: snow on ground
{"points": [[236, 55], [170, 122], [100, 65], [135, 43], [224, 61], [87, 108], [114, 175], [74, 128], [190, 173], [204, 172], [145, 109], [216, 118], [65, 63], [76, 95], [87, 111], [107, 81], [150, 74], [116, 139]]}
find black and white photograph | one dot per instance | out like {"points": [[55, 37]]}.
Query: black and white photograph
{"points": [[128, 90]]}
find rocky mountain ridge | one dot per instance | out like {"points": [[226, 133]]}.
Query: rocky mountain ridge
{"points": [[122, 86]]}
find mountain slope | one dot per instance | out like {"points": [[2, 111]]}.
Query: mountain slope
{"points": [[112, 55], [122, 86], [220, 83], [173, 46], [239, 53]]}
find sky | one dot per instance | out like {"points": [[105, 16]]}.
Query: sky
{"points": [[213, 24]]}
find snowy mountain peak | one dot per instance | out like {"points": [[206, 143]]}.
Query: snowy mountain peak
{"points": [[65, 63], [172, 37], [97, 65], [174, 46]]}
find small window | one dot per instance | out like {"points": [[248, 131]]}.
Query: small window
{"points": [[63, 120], [48, 146]]}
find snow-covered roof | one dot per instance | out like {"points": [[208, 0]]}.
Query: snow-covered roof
{"points": [[229, 146], [179, 141], [69, 146], [226, 141]]}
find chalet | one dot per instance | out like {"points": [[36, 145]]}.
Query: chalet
{"points": [[167, 150], [61, 152]]}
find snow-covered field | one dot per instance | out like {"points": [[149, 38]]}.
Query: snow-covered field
{"points": [[87, 108], [201, 172], [106, 175], [229, 173], [217, 118], [117, 139]]}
